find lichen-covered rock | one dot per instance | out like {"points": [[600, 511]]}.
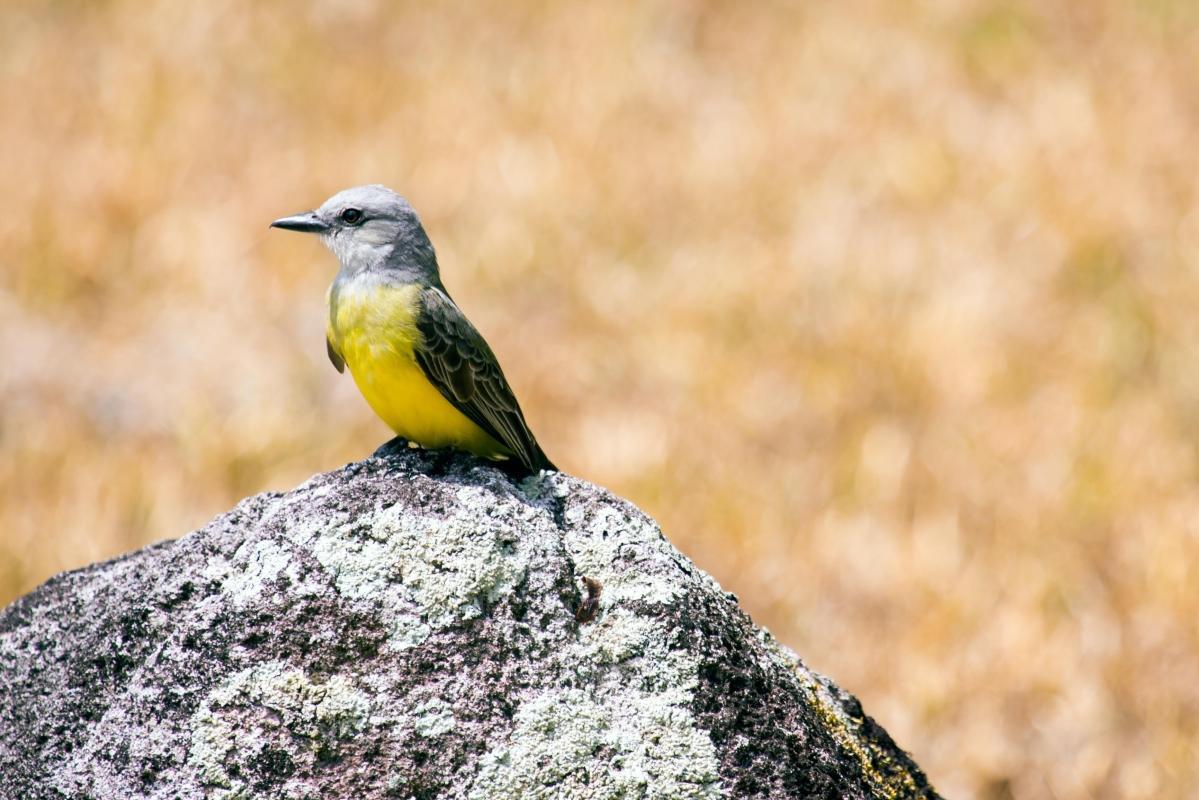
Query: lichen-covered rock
{"points": [[410, 627]]}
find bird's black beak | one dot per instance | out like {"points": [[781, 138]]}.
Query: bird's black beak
{"points": [[306, 222]]}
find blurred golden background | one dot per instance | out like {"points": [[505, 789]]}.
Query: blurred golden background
{"points": [[889, 312]]}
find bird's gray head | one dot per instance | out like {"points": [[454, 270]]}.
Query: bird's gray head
{"points": [[369, 228]]}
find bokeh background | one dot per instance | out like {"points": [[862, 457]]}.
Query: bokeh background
{"points": [[889, 312]]}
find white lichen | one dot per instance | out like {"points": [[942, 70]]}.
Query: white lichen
{"points": [[605, 540], [627, 732], [242, 710], [618, 636], [621, 727], [426, 573], [433, 718], [263, 563]]}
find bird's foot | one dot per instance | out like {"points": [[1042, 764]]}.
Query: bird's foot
{"points": [[392, 446]]}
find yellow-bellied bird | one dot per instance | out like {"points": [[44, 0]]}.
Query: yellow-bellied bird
{"points": [[416, 358]]}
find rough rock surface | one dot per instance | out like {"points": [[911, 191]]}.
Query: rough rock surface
{"points": [[407, 627]]}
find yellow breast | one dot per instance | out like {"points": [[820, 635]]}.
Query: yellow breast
{"points": [[373, 328]]}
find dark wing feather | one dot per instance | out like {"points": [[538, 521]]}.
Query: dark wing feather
{"points": [[457, 360], [335, 358]]}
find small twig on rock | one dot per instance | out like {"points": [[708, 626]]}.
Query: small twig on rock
{"points": [[589, 608]]}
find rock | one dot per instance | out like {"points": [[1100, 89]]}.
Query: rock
{"points": [[417, 625]]}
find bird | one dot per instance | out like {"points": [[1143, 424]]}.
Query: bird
{"points": [[418, 361]]}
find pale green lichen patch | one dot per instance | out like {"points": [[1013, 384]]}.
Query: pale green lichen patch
{"points": [[427, 573], [600, 547], [246, 573], [605, 540], [433, 718], [618, 636], [264, 561], [255, 703], [623, 727], [627, 733]]}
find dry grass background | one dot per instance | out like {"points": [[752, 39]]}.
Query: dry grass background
{"points": [[887, 311]]}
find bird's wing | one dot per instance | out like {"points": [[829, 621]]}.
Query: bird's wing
{"points": [[335, 358], [456, 359]]}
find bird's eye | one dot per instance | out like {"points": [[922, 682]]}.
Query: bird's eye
{"points": [[351, 216]]}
